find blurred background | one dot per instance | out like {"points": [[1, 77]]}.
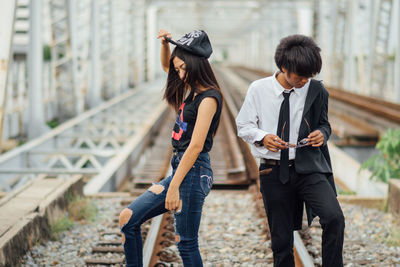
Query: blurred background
{"points": [[60, 58], [82, 121]]}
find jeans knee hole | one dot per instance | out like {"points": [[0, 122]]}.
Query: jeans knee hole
{"points": [[156, 189], [124, 217]]}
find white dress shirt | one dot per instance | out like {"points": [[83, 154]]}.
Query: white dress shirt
{"points": [[260, 113]]}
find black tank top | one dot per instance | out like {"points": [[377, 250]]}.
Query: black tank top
{"points": [[186, 119]]}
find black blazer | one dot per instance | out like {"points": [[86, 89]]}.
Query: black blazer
{"points": [[313, 159]]}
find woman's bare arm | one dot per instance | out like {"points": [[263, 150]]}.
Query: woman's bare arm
{"points": [[165, 50], [205, 114]]}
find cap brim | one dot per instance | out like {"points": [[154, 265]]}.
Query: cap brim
{"points": [[171, 41], [184, 47], [180, 45]]}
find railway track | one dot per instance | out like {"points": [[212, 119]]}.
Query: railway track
{"points": [[233, 166], [159, 230], [234, 169], [159, 249]]}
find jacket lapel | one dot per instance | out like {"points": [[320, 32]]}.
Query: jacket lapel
{"points": [[311, 95]]}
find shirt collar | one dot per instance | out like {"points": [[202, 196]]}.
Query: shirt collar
{"points": [[279, 89]]}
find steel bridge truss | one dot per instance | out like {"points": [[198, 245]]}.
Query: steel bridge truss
{"points": [[85, 145]]}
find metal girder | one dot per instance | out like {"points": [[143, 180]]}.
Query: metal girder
{"points": [[7, 18], [137, 41], [21, 28], [340, 23], [93, 96], [225, 21], [207, 3], [50, 171], [380, 48], [96, 141], [65, 84], [70, 54], [86, 144], [77, 152], [36, 122], [114, 17], [106, 52], [79, 28], [61, 58], [397, 66], [361, 45]]}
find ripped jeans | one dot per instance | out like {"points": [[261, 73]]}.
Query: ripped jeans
{"points": [[193, 190]]}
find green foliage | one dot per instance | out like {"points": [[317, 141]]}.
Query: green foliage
{"points": [[60, 225], [21, 142], [84, 145], [386, 164], [53, 123], [394, 237], [82, 209], [46, 53], [225, 54], [346, 192], [341, 191], [391, 57]]}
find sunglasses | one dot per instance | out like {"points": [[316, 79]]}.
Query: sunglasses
{"points": [[303, 142]]}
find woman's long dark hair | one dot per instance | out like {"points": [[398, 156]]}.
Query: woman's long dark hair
{"points": [[198, 73]]}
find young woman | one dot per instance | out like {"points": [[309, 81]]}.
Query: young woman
{"points": [[193, 92]]}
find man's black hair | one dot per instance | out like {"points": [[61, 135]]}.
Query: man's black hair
{"points": [[298, 54]]}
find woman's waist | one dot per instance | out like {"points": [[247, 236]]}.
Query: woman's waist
{"points": [[202, 158]]}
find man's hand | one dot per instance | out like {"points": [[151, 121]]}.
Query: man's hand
{"points": [[316, 138], [274, 143], [163, 33]]}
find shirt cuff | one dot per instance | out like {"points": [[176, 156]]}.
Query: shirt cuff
{"points": [[259, 136]]}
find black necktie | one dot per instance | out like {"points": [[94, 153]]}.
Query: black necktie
{"points": [[284, 125]]}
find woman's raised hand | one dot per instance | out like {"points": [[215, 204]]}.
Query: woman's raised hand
{"points": [[163, 33]]}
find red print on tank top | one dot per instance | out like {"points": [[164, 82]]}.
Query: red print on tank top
{"points": [[182, 125]]}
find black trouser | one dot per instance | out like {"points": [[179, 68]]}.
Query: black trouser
{"points": [[280, 201]]}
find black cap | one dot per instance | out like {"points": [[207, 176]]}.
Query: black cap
{"points": [[195, 42]]}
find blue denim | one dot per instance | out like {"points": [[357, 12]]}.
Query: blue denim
{"points": [[193, 190]]}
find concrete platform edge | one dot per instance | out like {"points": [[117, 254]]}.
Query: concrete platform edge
{"points": [[394, 196], [34, 226]]}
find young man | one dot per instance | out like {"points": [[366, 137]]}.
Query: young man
{"points": [[285, 119]]}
